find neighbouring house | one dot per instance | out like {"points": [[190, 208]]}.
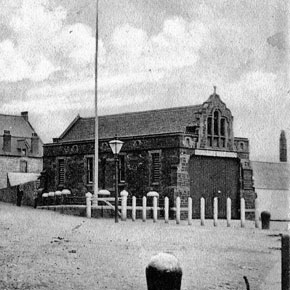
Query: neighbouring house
{"points": [[183, 151], [21, 151], [272, 184]]}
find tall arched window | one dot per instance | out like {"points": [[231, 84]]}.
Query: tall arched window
{"points": [[216, 123]]}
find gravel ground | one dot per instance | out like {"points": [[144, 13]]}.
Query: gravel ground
{"points": [[46, 250]]}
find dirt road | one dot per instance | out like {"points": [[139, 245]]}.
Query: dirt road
{"points": [[46, 250]]}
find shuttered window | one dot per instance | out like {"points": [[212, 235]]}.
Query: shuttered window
{"points": [[155, 172], [61, 171]]}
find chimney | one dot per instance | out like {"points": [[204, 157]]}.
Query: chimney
{"points": [[24, 115], [7, 141], [283, 147], [34, 144]]}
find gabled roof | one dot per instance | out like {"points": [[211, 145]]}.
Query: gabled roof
{"points": [[16, 125], [269, 175], [170, 120]]}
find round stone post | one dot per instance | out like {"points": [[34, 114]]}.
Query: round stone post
{"points": [[163, 273], [166, 209], [133, 208], [229, 211], [243, 212], [202, 211], [257, 213], [144, 211], [154, 209], [124, 195], [89, 204], [189, 211], [215, 211], [178, 210]]}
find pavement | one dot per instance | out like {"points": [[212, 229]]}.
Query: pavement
{"points": [[273, 280]]}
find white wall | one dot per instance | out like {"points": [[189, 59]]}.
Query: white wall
{"points": [[277, 202]]}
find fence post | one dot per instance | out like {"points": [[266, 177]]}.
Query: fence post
{"points": [[133, 208], [124, 208], [243, 213], [189, 211], [89, 204], [154, 209], [257, 213], [166, 209], [285, 262], [163, 273], [202, 211], [215, 211], [144, 211], [229, 211], [178, 210]]}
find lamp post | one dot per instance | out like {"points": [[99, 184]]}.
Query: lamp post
{"points": [[116, 146]]}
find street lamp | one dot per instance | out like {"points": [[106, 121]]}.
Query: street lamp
{"points": [[116, 146]]}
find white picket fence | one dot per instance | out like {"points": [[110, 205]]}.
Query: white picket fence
{"points": [[178, 209]]}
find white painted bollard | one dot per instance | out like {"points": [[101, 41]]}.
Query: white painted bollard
{"points": [[89, 204], [215, 211], [243, 213], [202, 211], [133, 208], [154, 209], [124, 208], [178, 210], [189, 216], [257, 213], [166, 209], [144, 211], [229, 211]]}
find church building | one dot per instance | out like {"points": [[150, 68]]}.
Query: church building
{"points": [[184, 151]]}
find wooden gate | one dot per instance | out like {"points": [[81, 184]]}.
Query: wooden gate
{"points": [[214, 177]]}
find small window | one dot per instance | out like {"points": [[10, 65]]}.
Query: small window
{"points": [[209, 125], [61, 171], [155, 167], [242, 146], [23, 166], [90, 170], [121, 168]]}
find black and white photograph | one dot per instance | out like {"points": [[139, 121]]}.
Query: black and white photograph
{"points": [[144, 144]]}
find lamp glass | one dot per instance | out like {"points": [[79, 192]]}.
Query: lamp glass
{"points": [[116, 146]]}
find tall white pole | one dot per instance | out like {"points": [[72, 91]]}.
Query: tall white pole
{"points": [[96, 170]]}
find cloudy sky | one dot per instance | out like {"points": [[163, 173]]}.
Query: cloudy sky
{"points": [[152, 54]]}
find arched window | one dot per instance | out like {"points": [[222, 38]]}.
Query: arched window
{"points": [[223, 127], [209, 126], [216, 123]]}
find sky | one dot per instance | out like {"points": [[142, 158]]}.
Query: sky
{"points": [[151, 55]]}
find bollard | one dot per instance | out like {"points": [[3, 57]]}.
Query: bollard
{"points": [[124, 208], [243, 213], [144, 213], [178, 210], [163, 273], [229, 211], [166, 209], [285, 262], [154, 209], [265, 218], [257, 213], [133, 208], [189, 211], [202, 211], [215, 211], [89, 204]]}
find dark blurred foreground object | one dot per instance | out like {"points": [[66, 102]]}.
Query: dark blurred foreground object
{"points": [[285, 262], [265, 218], [19, 195], [163, 273]]}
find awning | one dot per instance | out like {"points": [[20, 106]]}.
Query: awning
{"points": [[17, 178]]}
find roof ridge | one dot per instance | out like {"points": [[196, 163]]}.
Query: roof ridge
{"points": [[146, 111], [271, 162], [10, 115]]}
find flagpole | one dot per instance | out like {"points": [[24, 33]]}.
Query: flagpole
{"points": [[96, 170]]}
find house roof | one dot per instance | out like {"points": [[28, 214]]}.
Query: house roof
{"points": [[269, 175], [170, 120], [16, 125]]}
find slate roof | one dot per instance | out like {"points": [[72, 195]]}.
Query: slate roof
{"points": [[269, 175], [16, 125], [170, 120]]}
